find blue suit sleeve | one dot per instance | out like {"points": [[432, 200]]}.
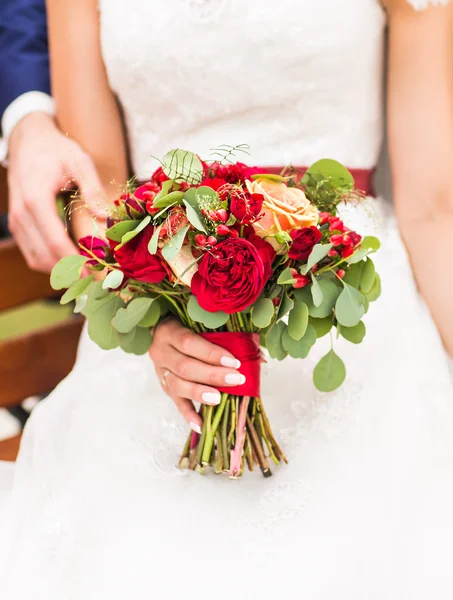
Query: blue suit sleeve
{"points": [[24, 57]]}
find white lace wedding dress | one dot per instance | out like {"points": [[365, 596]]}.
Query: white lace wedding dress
{"points": [[96, 508]]}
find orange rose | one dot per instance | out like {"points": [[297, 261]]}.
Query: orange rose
{"points": [[284, 209]]}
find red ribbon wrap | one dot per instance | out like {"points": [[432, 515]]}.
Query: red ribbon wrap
{"points": [[246, 348]]}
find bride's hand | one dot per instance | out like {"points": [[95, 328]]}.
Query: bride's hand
{"points": [[190, 368]]}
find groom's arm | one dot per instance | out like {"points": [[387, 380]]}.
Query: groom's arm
{"points": [[41, 158]]}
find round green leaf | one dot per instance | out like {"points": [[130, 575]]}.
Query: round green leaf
{"points": [[100, 328], [181, 164], [370, 242], [368, 276], [286, 306], [286, 277], [329, 169], [316, 292], [80, 303], [375, 291], [76, 289], [152, 316], [211, 320], [194, 217], [263, 313], [349, 308], [330, 291], [299, 348], [174, 245], [95, 297], [273, 341], [354, 275], [359, 255], [355, 334], [169, 199], [127, 318], [321, 326], [298, 320], [67, 271], [116, 232], [329, 373], [319, 252], [113, 280], [138, 341]]}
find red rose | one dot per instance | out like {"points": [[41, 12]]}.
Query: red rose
{"points": [[246, 207], [218, 185], [265, 250], [96, 246], [159, 176], [137, 263], [230, 277], [236, 173], [303, 241]]}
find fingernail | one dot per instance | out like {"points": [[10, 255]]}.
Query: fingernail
{"points": [[211, 397], [235, 378], [228, 361], [195, 427]]}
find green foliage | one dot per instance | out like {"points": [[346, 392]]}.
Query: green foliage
{"points": [[370, 242], [183, 165], [299, 348], [67, 271], [329, 373], [359, 255], [113, 280], [128, 318], [76, 289], [269, 176], [211, 320], [354, 275], [331, 170], [375, 291], [368, 276], [286, 277], [152, 315], [116, 232], [168, 199], [172, 248], [100, 328], [298, 320], [354, 334], [154, 241], [95, 297], [138, 341], [263, 313], [273, 341], [129, 235], [194, 216], [349, 308], [319, 252], [316, 292], [286, 306], [321, 326], [330, 292]]}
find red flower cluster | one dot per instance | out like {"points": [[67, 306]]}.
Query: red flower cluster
{"points": [[303, 242], [345, 241], [137, 263]]}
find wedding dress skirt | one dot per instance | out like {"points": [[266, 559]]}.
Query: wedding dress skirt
{"points": [[99, 509]]}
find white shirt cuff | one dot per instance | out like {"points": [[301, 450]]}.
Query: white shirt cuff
{"points": [[21, 107]]}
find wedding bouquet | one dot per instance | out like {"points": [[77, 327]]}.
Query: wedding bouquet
{"points": [[245, 258]]}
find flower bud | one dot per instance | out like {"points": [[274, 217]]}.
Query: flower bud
{"points": [[341, 273], [201, 240], [222, 230], [332, 253], [223, 215], [211, 241], [336, 239]]}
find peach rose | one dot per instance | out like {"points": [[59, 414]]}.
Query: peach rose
{"points": [[284, 209]]}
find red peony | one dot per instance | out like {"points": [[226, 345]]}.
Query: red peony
{"points": [[246, 207], [236, 173], [230, 277], [303, 242], [137, 263]]}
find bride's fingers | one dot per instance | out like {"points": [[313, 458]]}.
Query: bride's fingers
{"points": [[184, 405], [192, 391], [195, 371]]}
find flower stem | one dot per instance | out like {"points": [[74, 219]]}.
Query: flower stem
{"points": [[212, 426], [236, 454]]}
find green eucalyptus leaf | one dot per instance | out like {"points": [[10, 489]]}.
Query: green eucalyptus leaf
{"points": [[116, 232], [286, 306], [168, 200], [181, 164], [128, 318], [375, 291], [349, 308], [96, 297], [358, 256], [286, 278], [368, 276], [211, 320], [329, 373], [67, 271], [298, 321], [153, 242], [100, 328], [80, 303], [329, 169], [76, 289], [269, 176], [113, 280], [263, 313], [299, 348], [206, 196], [128, 236], [370, 242], [319, 252], [152, 315], [354, 274], [321, 326], [353, 334], [138, 341], [172, 248], [273, 341], [195, 217], [330, 292], [316, 292]]}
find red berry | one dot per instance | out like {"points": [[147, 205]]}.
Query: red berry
{"points": [[223, 215], [276, 301], [152, 186], [211, 241], [148, 195], [332, 253], [355, 238], [336, 239], [336, 225], [346, 252], [341, 273], [150, 208], [324, 217], [234, 233], [347, 240], [201, 240], [222, 230], [301, 281], [314, 268], [213, 215]]}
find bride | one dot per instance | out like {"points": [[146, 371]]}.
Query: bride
{"points": [[96, 507]]}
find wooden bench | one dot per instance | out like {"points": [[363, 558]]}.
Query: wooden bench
{"points": [[34, 363]]}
